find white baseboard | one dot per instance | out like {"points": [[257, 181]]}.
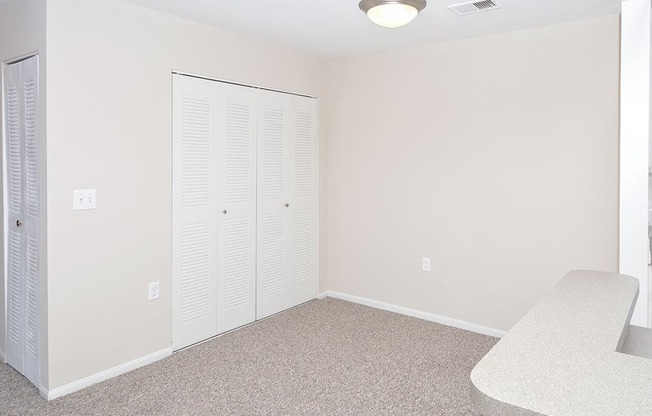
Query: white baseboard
{"points": [[3, 358], [444, 320], [104, 375]]}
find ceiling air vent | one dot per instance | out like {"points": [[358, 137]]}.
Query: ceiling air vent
{"points": [[463, 9]]}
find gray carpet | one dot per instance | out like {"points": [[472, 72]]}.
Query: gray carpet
{"points": [[326, 357]]}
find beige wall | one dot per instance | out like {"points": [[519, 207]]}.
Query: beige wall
{"points": [[22, 33], [109, 95], [497, 157]]}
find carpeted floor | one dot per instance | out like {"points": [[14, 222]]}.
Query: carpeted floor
{"points": [[326, 357]]}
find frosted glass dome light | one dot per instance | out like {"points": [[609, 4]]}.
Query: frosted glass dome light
{"points": [[392, 13]]}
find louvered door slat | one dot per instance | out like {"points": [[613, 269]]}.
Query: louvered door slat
{"points": [[304, 247], [274, 249], [195, 272], [15, 291], [14, 149], [238, 152], [31, 148], [195, 150], [237, 270], [303, 155], [274, 159], [32, 260]]}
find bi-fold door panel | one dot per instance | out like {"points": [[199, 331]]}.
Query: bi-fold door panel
{"points": [[195, 205], [21, 97], [13, 153], [236, 277], [303, 189], [274, 204]]}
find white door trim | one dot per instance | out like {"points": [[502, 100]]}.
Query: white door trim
{"points": [[634, 149]]}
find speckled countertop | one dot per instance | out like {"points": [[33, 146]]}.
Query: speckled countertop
{"points": [[562, 358]]}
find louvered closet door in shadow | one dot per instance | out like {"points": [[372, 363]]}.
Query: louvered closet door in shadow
{"points": [[21, 98], [194, 211], [236, 284]]}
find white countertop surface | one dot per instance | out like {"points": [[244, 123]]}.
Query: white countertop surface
{"points": [[561, 358]]}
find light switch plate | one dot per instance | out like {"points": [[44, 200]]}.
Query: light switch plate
{"points": [[84, 199]]}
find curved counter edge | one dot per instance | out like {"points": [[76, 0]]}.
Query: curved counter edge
{"points": [[562, 358]]}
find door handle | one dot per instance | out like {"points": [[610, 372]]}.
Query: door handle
{"points": [[287, 205], [19, 223], [224, 212]]}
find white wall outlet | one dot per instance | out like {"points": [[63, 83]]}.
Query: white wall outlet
{"points": [[425, 264], [153, 291], [84, 199]]}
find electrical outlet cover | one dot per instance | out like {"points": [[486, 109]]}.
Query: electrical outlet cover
{"points": [[153, 291], [425, 264]]}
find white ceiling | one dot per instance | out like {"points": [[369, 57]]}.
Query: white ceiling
{"points": [[337, 28]]}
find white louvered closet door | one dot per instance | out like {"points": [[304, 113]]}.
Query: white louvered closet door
{"points": [[273, 259], [244, 206], [194, 211], [287, 202], [236, 277], [304, 224], [21, 149]]}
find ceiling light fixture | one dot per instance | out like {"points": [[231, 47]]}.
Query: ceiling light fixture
{"points": [[392, 13]]}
